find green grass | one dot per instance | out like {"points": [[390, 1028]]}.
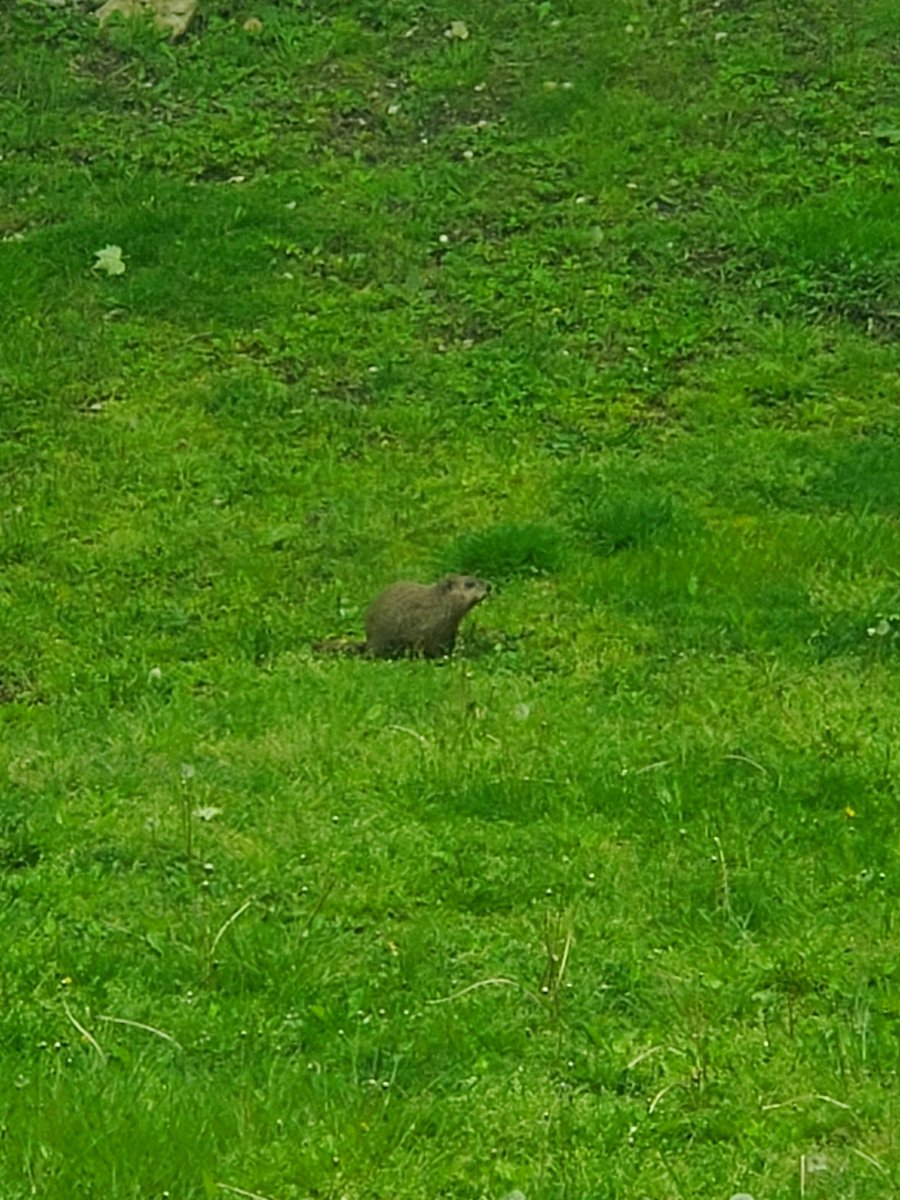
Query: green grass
{"points": [[601, 305]]}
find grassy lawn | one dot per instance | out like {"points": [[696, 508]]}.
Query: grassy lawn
{"points": [[599, 301]]}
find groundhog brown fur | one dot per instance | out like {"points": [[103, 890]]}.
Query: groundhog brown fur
{"points": [[412, 619]]}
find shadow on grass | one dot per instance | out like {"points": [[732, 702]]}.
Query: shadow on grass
{"points": [[710, 595], [862, 475]]}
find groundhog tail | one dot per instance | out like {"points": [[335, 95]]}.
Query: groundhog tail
{"points": [[342, 646]]}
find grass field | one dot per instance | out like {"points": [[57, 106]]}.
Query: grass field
{"points": [[601, 302]]}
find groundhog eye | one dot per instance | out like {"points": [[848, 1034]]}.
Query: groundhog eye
{"points": [[470, 583]]}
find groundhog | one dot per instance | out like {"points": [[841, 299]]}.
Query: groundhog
{"points": [[412, 619]]}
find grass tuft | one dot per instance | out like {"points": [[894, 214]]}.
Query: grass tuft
{"points": [[508, 551], [611, 516]]}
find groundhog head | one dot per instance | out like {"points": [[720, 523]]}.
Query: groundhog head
{"points": [[466, 590]]}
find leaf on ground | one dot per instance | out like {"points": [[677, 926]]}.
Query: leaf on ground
{"points": [[109, 259], [457, 31], [174, 15]]}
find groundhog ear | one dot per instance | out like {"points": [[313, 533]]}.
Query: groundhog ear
{"points": [[447, 584]]}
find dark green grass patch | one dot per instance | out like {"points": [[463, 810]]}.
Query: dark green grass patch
{"points": [[504, 551], [836, 255], [726, 589], [863, 476], [611, 515]]}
